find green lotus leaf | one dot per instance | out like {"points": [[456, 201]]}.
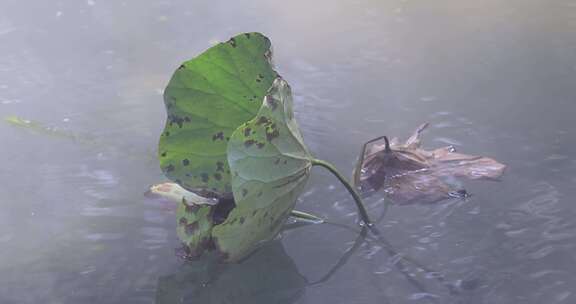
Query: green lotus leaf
{"points": [[231, 136], [270, 166], [207, 98]]}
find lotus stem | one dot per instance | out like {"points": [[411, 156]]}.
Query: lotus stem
{"points": [[387, 147], [359, 204], [307, 217]]}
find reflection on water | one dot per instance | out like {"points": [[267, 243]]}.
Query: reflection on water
{"points": [[268, 276], [492, 77]]}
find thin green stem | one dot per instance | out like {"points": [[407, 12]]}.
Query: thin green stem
{"points": [[306, 217], [349, 187]]}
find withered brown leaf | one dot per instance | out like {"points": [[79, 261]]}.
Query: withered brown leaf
{"points": [[406, 173]]}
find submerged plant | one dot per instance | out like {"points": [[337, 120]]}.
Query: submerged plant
{"points": [[231, 137]]}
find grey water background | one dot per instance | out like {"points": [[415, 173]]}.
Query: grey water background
{"points": [[493, 77]]}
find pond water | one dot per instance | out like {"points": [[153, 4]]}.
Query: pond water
{"points": [[493, 77]]}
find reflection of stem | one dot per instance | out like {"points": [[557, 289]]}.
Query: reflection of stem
{"points": [[362, 237], [377, 234], [400, 264], [344, 258], [349, 187], [368, 225]]}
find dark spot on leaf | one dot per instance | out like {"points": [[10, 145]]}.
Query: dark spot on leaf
{"points": [[181, 67], [277, 161], [249, 143], [254, 212], [218, 176], [271, 135], [174, 119], [166, 133], [260, 145], [205, 177], [187, 119], [258, 80], [244, 192], [247, 131], [232, 42], [179, 182], [262, 120], [242, 219], [227, 138], [259, 194], [185, 162], [169, 168], [219, 166], [285, 161], [163, 154], [183, 221], [260, 76], [219, 135], [247, 35]]}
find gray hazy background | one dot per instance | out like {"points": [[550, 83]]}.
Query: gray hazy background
{"points": [[493, 77]]}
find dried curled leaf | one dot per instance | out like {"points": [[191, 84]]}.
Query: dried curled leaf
{"points": [[409, 174]]}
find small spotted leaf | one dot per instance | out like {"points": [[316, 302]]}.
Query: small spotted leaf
{"points": [[194, 225]]}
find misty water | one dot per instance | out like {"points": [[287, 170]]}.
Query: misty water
{"points": [[493, 77]]}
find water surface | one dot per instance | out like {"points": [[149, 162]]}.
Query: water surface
{"points": [[493, 77]]}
